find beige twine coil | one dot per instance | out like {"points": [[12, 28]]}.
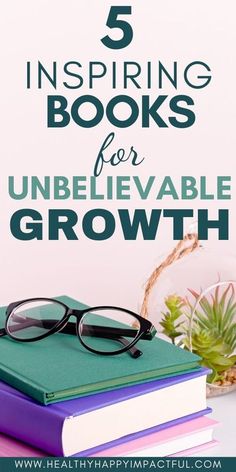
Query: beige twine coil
{"points": [[184, 247]]}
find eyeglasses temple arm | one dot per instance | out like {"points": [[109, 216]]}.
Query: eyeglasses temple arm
{"points": [[131, 333], [134, 352], [70, 329]]}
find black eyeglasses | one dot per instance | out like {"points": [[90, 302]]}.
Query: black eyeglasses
{"points": [[106, 330]]}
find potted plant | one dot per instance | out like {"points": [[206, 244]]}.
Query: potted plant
{"points": [[206, 326]]}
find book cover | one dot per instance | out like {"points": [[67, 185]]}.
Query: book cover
{"points": [[10, 447]]}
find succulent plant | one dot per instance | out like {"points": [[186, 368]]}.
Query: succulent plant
{"points": [[217, 315], [214, 352], [171, 327], [212, 332]]}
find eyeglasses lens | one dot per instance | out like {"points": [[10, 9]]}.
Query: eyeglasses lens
{"points": [[109, 330], [31, 320]]}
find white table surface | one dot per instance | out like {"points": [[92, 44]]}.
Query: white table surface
{"points": [[224, 411]]}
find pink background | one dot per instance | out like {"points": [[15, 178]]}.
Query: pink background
{"points": [[115, 270]]}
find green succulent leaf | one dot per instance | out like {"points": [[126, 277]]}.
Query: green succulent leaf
{"points": [[171, 322]]}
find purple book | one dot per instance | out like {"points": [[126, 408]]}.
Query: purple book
{"points": [[88, 424]]}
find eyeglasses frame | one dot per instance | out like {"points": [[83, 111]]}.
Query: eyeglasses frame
{"points": [[147, 331]]}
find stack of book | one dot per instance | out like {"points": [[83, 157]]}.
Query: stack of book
{"points": [[58, 399]]}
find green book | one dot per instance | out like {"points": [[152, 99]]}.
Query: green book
{"points": [[59, 368]]}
